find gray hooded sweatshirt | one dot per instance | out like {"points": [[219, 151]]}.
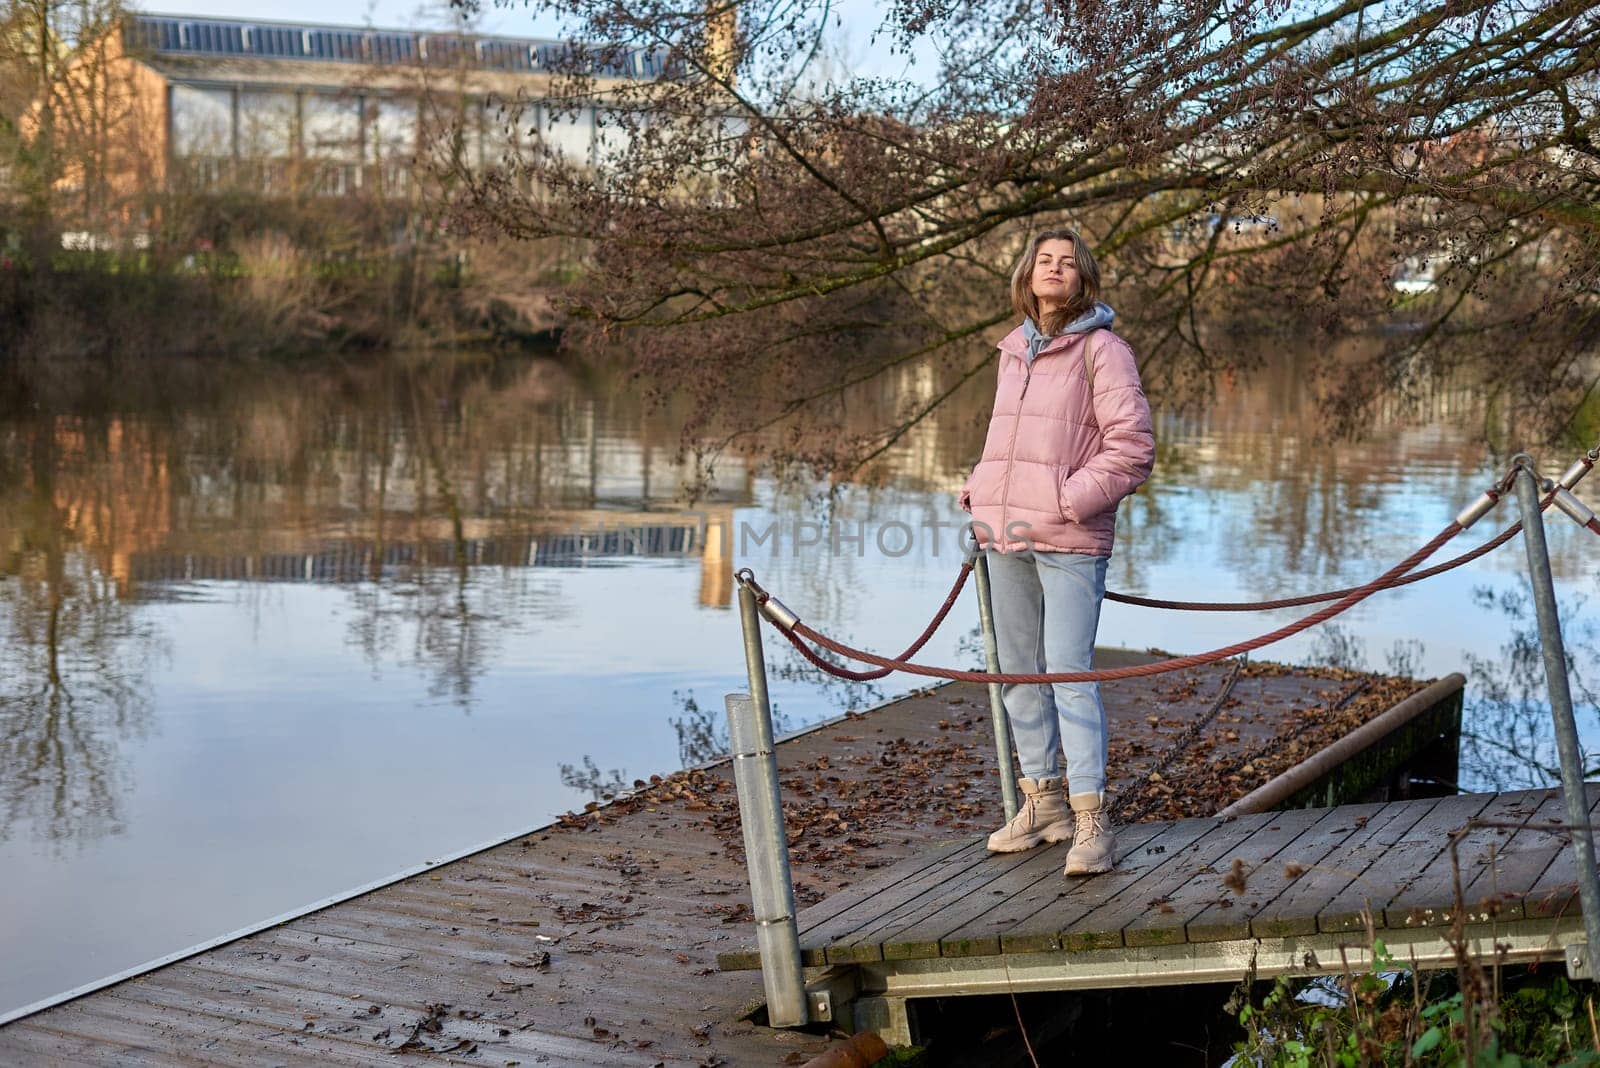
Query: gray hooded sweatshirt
{"points": [[1096, 317]]}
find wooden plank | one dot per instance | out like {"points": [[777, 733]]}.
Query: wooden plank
{"points": [[410, 976], [973, 927], [22, 1044], [479, 968], [1498, 890], [1162, 920], [342, 1019], [901, 935], [1555, 892], [1039, 915], [1295, 910], [1413, 850], [142, 1030], [610, 989], [746, 957], [830, 931], [818, 914], [92, 1041], [1428, 897], [891, 911], [198, 1020], [1094, 917], [1265, 878]]}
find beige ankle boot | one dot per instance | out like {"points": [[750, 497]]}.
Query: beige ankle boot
{"points": [[1041, 818], [1094, 848]]}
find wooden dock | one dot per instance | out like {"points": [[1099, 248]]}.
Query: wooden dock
{"points": [[596, 940], [1300, 892]]}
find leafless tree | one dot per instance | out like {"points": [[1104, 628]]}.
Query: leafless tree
{"points": [[1424, 172]]}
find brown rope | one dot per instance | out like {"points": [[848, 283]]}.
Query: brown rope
{"points": [[1355, 596], [1318, 598], [868, 676]]}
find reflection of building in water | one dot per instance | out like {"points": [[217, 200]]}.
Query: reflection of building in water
{"points": [[716, 558], [113, 492], [681, 535], [295, 485]]}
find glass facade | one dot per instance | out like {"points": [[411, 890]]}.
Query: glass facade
{"points": [[331, 127], [202, 121], [392, 123], [267, 122]]}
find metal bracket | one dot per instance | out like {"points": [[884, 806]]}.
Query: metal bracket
{"points": [[894, 1019], [1578, 961], [829, 993]]}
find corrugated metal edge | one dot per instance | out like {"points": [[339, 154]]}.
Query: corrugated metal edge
{"points": [[367, 888]]}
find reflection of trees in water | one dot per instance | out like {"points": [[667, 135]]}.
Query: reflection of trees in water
{"points": [[1509, 740], [456, 620], [1336, 645], [588, 778], [451, 624], [837, 694], [72, 692], [72, 655], [703, 731]]}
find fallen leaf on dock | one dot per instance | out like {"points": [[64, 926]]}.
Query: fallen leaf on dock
{"points": [[1235, 879], [540, 960]]}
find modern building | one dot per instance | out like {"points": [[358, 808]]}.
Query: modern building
{"points": [[276, 107]]}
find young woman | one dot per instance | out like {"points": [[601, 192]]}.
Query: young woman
{"points": [[1069, 438]]}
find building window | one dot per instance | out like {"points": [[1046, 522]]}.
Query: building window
{"points": [[266, 124], [202, 121], [332, 127]]}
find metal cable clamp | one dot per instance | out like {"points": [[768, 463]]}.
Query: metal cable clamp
{"points": [[1580, 513], [1573, 475], [773, 610], [1478, 508]]}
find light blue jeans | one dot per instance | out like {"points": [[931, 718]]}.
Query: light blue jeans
{"points": [[1046, 610]]}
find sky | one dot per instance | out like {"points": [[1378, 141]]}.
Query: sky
{"points": [[858, 20]]}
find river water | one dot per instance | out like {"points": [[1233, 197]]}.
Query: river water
{"points": [[266, 636]]}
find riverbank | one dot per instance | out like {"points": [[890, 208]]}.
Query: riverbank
{"points": [[273, 294], [594, 940]]}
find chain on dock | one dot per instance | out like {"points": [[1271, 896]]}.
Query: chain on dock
{"points": [[1557, 492]]}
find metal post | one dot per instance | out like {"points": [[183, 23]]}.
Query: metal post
{"points": [[766, 850], [1555, 670], [997, 708]]}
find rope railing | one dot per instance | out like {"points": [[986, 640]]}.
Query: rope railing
{"points": [[792, 628], [1582, 467], [912, 650], [750, 715], [803, 637]]}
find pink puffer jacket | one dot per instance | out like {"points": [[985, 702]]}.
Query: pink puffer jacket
{"points": [[1057, 460]]}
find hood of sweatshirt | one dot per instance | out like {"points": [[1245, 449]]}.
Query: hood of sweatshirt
{"points": [[1096, 317]]}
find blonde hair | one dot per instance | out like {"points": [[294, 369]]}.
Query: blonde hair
{"points": [[1025, 303]]}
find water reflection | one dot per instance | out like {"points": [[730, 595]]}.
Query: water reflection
{"points": [[396, 485], [702, 730], [401, 484], [72, 652], [467, 595], [1510, 743]]}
